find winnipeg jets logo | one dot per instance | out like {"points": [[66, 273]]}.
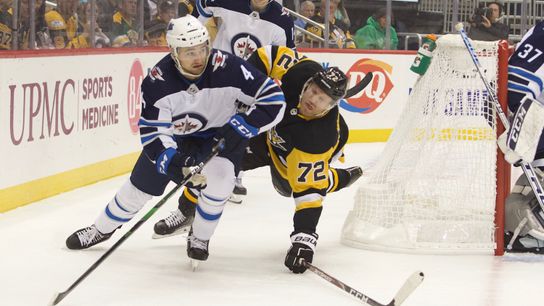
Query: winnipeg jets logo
{"points": [[276, 140], [218, 60], [188, 123], [156, 74], [244, 44]]}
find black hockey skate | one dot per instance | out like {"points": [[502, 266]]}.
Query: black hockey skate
{"points": [[85, 238], [238, 193], [523, 244], [197, 249], [179, 222]]}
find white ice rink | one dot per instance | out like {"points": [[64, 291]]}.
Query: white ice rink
{"points": [[246, 258]]}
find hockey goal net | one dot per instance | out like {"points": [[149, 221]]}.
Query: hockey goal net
{"points": [[440, 183]]}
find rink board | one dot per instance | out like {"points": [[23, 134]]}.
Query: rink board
{"points": [[67, 121]]}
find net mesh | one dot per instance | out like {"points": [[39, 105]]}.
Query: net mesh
{"points": [[433, 189]]}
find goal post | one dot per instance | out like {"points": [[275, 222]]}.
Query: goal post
{"points": [[441, 182]]}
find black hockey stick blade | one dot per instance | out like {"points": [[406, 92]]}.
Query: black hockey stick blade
{"points": [[359, 86], [407, 288], [215, 150]]}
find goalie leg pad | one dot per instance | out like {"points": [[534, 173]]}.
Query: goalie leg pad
{"points": [[522, 206], [521, 141]]}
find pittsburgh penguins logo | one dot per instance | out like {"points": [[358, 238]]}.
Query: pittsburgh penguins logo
{"points": [[188, 123], [244, 44]]}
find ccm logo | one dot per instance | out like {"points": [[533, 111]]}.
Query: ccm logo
{"points": [[244, 131], [516, 126]]}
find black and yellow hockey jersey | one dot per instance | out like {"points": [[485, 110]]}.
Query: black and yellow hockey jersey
{"points": [[301, 148]]}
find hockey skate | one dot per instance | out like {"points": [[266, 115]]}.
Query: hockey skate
{"points": [[86, 237], [239, 192], [197, 250], [176, 224], [523, 244]]}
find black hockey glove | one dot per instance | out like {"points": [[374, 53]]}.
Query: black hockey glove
{"points": [[177, 166], [236, 133], [302, 248]]}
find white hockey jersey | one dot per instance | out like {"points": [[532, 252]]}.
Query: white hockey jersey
{"points": [[242, 30], [175, 107]]}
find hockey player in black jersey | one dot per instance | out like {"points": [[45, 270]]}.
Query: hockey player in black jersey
{"points": [[191, 99], [524, 226], [298, 150]]}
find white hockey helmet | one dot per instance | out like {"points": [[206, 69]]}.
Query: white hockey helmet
{"points": [[184, 32]]}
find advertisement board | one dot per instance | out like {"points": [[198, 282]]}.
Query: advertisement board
{"points": [[67, 120]]}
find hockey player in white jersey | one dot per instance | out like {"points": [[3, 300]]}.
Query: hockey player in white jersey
{"points": [[245, 25], [192, 98], [524, 229]]}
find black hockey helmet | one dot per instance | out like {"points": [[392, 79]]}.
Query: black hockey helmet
{"points": [[332, 81]]}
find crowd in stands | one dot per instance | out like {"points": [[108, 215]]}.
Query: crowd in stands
{"points": [[69, 24]]}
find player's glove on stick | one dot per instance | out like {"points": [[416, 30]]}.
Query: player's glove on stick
{"points": [[236, 133], [302, 248], [177, 167]]}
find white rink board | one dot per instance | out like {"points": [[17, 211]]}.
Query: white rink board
{"points": [[48, 110]]}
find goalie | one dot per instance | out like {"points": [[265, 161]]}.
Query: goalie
{"points": [[524, 229]]}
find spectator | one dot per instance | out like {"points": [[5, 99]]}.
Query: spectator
{"points": [[124, 28], [372, 35], [337, 29], [83, 40], [485, 24], [5, 24], [341, 14], [155, 33], [106, 8], [307, 9], [57, 29], [68, 11]]}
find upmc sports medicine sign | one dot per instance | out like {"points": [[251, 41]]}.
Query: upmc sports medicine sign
{"points": [[59, 113]]}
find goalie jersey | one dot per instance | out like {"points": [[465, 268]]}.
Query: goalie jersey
{"points": [[175, 107], [526, 68], [241, 30], [301, 149]]}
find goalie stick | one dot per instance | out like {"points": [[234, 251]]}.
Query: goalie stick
{"points": [[59, 296], [407, 288], [359, 86], [527, 168]]}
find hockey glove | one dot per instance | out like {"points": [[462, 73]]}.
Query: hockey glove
{"points": [[177, 166], [302, 248], [236, 133]]}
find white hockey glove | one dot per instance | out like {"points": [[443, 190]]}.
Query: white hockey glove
{"points": [[521, 141], [197, 181]]}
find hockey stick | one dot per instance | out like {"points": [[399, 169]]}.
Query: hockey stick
{"points": [[359, 86], [61, 295], [407, 288], [527, 168]]}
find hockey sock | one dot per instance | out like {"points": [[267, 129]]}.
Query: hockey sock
{"points": [[126, 203], [305, 220]]}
